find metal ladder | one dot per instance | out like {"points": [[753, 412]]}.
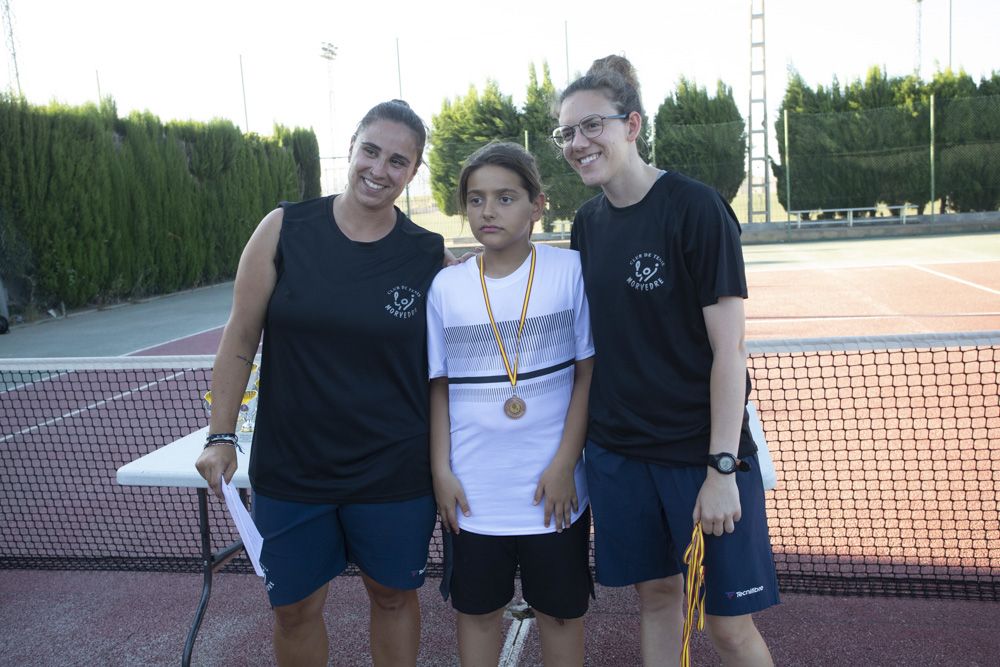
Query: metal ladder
{"points": [[758, 168]]}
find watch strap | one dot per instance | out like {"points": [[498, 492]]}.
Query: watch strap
{"points": [[738, 464]]}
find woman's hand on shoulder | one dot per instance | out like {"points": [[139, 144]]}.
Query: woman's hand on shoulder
{"points": [[451, 260]]}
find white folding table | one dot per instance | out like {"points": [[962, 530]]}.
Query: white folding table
{"points": [[173, 465]]}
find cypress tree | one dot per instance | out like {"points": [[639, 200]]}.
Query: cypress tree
{"points": [[462, 126], [563, 187], [702, 136]]}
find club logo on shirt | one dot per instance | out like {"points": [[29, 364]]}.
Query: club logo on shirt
{"points": [[646, 272], [402, 302]]}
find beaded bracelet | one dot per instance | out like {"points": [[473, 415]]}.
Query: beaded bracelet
{"points": [[215, 439]]}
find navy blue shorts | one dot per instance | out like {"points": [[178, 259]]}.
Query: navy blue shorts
{"points": [[306, 545], [642, 526]]}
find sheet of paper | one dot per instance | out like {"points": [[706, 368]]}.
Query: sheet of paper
{"points": [[252, 540]]}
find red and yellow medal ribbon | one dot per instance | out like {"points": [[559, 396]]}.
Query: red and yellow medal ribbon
{"points": [[694, 557], [511, 372]]}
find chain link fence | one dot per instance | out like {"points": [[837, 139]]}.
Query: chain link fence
{"points": [[942, 157]]}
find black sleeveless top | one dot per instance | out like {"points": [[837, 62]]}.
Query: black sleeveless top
{"points": [[343, 408]]}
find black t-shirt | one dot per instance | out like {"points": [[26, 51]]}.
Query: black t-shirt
{"points": [[649, 269], [343, 409]]}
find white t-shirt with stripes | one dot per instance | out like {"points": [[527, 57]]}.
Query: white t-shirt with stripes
{"points": [[497, 459]]}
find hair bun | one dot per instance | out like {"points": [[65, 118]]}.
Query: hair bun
{"points": [[400, 102], [619, 65]]}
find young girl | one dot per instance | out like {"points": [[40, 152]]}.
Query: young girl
{"points": [[510, 359], [668, 442]]}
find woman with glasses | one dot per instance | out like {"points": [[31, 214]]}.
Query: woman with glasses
{"points": [[668, 442]]}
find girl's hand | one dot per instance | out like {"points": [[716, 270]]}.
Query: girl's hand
{"points": [[558, 487], [449, 494]]}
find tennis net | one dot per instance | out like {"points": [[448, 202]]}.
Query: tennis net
{"points": [[887, 452]]}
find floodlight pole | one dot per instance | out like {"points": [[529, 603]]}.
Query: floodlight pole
{"points": [[949, 35], [243, 84], [399, 78], [8, 24], [328, 52], [566, 43]]}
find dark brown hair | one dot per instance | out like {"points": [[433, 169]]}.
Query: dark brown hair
{"points": [[616, 78], [400, 112], [501, 154]]}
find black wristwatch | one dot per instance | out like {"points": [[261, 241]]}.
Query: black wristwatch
{"points": [[727, 464]]}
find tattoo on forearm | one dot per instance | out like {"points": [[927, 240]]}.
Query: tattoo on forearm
{"points": [[247, 361]]}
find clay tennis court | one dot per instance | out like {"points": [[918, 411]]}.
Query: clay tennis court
{"points": [[932, 284], [864, 299], [928, 285]]}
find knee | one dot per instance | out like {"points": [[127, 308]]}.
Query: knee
{"points": [[298, 615], [730, 634], [483, 622], [661, 594], [556, 623], [389, 600]]}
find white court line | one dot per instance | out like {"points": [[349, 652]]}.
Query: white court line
{"points": [[73, 413], [30, 383], [762, 267], [172, 340], [957, 280], [517, 635], [836, 318]]}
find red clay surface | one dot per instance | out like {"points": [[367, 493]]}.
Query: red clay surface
{"points": [[865, 301], [206, 342], [828, 302], [138, 619], [55, 618]]}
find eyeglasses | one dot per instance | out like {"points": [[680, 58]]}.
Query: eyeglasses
{"points": [[591, 127]]}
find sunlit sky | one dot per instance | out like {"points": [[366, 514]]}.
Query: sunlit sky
{"points": [[181, 60]]}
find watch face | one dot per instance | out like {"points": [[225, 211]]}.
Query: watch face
{"points": [[724, 463]]}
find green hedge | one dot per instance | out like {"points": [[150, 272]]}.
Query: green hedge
{"points": [[96, 208], [870, 142]]}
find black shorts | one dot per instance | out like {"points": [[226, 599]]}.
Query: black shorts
{"points": [[555, 571]]}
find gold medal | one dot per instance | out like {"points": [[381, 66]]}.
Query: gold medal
{"points": [[514, 407]]}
